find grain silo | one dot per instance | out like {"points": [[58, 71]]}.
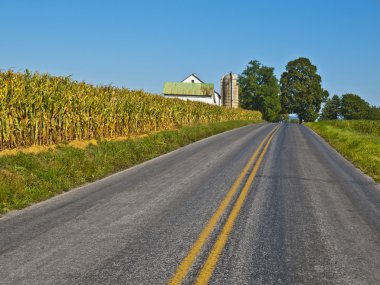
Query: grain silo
{"points": [[229, 90]]}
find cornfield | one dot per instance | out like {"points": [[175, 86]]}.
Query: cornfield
{"points": [[40, 109]]}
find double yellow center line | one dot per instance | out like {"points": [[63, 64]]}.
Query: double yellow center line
{"points": [[212, 259]]}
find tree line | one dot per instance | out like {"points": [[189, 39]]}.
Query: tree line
{"points": [[349, 107], [298, 91]]}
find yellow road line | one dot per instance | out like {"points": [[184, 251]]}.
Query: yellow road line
{"points": [[212, 260], [186, 263]]}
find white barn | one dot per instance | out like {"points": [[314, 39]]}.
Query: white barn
{"points": [[194, 89]]}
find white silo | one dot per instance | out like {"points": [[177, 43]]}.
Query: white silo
{"points": [[229, 90]]}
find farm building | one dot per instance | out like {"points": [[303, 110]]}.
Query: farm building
{"points": [[194, 89], [230, 90]]}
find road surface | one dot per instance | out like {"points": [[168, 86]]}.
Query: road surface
{"points": [[262, 204]]}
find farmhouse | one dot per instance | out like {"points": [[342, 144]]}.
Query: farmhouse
{"points": [[194, 89]]}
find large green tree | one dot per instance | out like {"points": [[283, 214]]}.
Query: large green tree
{"points": [[301, 90], [331, 110], [353, 107], [259, 90]]}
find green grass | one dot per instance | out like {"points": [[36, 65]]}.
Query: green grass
{"points": [[361, 126], [358, 141], [27, 178]]}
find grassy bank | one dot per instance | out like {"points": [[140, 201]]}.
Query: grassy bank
{"points": [[358, 141], [26, 178]]}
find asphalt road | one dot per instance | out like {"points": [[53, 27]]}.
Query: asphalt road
{"points": [[307, 217]]}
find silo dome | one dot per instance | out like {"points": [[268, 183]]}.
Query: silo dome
{"points": [[230, 76]]}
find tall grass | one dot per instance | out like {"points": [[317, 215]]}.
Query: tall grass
{"points": [[358, 141], [40, 109], [361, 126]]}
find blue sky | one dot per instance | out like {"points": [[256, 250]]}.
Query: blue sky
{"points": [[141, 44]]}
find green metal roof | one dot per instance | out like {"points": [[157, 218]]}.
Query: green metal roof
{"points": [[194, 89]]}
